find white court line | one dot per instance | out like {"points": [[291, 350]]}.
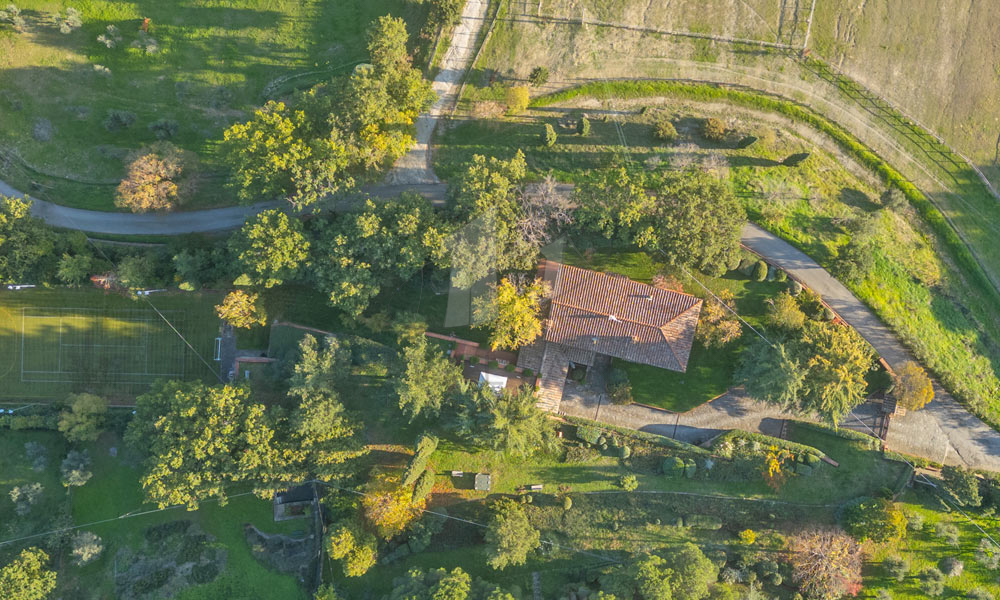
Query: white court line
{"points": [[22, 344], [59, 349], [102, 346]]}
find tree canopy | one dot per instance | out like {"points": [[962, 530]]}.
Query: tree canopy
{"points": [[271, 248], [429, 378], [510, 537], [27, 577], [505, 421], [240, 309], [512, 312], [439, 584], [24, 241], [82, 417], [912, 388]]}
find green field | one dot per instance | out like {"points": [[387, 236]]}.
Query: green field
{"points": [[58, 341], [216, 61]]}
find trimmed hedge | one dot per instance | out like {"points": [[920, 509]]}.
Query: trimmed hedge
{"points": [[766, 440], [847, 434], [424, 485], [659, 440], [703, 522], [17, 422]]}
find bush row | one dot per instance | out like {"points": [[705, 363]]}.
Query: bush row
{"points": [[17, 422], [638, 435], [765, 441]]}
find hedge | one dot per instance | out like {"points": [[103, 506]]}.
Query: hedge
{"points": [[766, 440], [638, 435], [703, 522], [424, 485], [847, 434], [703, 91]]}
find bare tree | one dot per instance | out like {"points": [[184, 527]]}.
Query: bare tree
{"points": [[826, 563], [545, 209]]}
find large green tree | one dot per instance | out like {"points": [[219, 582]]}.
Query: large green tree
{"points": [[509, 536], [769, 373], [357, 253], [27, 577], [429, 378], [271, 248], [505, 421], [645, 578], [439, 584], [199, 439], [488, 196], [24, 242], [616, 205]]}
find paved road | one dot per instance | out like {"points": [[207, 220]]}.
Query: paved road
{"points": [[943, 430]]}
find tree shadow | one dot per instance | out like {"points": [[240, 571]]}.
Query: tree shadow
{"points": [[857, 198]]}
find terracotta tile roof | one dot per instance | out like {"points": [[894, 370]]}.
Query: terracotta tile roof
{"points": [[615, 316]]}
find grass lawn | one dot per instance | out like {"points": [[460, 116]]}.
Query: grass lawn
{"points": [[926, 549], [114, 490], [215, 63], [63, 340]]}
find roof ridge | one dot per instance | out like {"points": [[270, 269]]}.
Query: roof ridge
{"points": [[608, 276], [616, 317]]}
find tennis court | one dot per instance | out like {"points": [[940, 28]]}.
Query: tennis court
{"points": [[101, 345]]}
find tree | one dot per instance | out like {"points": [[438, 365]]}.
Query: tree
{"points": [[664, 130], [825, 563], [714, 130], [539, 76], [771, 374], [438, 584], [137, 271], [835, 359], [87, 546], [240, 309], [513, 315], [74, 269], [875, 519], [549, 136], [616, 205], [912, 387], [505, 421], [199, 440], [389, 507], [26, 496], [425, 483], [154, 180], [784, 313], [759, 271], [429, 378], [356, 548], [510, 537], [24, 241], [717, 325], [962, 485], [357, 253], [323, 440], [75, 468], [517, 99], [544, 210], [82, 416], [699, 221], [645, 578], [319, 366], [692, 571], [27, 578], [271, 248]]}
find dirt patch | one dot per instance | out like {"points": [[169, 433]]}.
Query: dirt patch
{"points": [[173, 556], [285, 554]]}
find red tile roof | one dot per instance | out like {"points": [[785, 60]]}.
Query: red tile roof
{"points": [[615, 316]]}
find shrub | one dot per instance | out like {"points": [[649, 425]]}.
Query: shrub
{"points": [[424, 485], [75, 468], [897, 567], [759, 271], [947, 531], [979, 594], [962, 485], [713, 130], [86, 547], [673, 466], [775, 579], [730, 575], [567, 503], [164, 129], [664, 130], [932, 581], [119, 119], [528, 373], [549, 136], [780, 276], [619, 387], [987, 554], [588, 434], [154, 179], [690, 468], [493, 364], [795, 160], [205, 573], [583, 126], [517, 99], [951, 566], [629, 483], [624, 451], [703, 522], [539, 76], [915, 521], [795, 288], [875, 519]]}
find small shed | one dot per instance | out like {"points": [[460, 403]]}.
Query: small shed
{"points": [[496, 382], [293, 503], [483, 482]]}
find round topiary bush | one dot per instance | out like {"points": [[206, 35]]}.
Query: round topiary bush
{"points": [[714, 130], [664, 130], [796, 288], [951, 566], [760, 271], [780, 276], [583, 126]]}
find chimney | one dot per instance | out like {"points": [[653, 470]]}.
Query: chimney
{"points": [[612, 318]]}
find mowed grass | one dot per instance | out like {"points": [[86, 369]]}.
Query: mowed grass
{"points": [[216, 62], [64, 340]]}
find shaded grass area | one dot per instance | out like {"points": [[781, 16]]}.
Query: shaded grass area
{"points": [[215, 63], [88, 340]]}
